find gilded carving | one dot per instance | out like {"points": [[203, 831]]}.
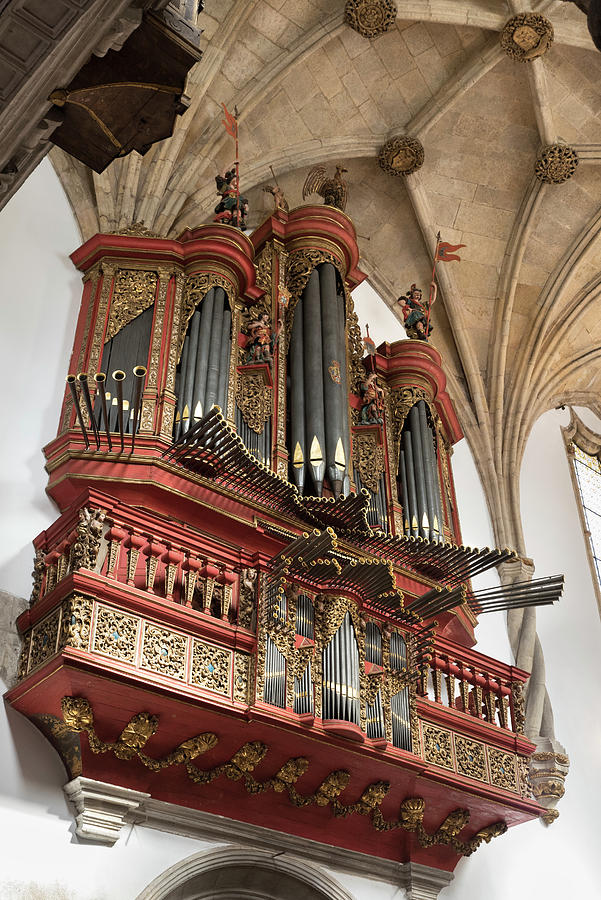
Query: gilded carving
{"points": [[470, 757], [556, 164], [254, 399], [115, 634], [231, 386], [84, 551], [370, 18], [502, 769], [211, 667], [247, 597], [400, 402], [77, 717], [401, 155], [164, 651], [23, 664], [174, 349], [527, 36], [437, 746], [368, 457], [157, 333], [196, 288], [44, 639], [517, 703], [39, 569], [137, 229], [242, 668], [133, 293], [76, 622], [263, 265]]}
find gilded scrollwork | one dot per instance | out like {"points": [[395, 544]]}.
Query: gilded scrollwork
{"points": [[116, 634], [400, 402], [196, 288], [437, 746], [517, 704], [84, 551], [44, 639], [211, 667], [247, 597], [76, 622], [23, 663], [471, 760], [78, 717], [254, 398], [164, 651], [241, 685], [39, 569], [133, 293], [502, 769], [368, 457]]}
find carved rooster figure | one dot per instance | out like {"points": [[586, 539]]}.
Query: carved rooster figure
{"points": [[333, 190]]}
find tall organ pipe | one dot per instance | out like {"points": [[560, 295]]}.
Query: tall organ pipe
{"points": [[202, 361], [413, 508], [333, 397], [403, 475], [297, 400], [188, 387], [214, 351], [224, 361], [426, 444], [342, 357], [313, 379], [420, 475]]}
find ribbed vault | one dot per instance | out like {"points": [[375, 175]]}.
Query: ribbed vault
{"points": [[518, 320]]}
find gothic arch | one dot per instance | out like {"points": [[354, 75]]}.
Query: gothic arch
{"points": [[235, 873]]}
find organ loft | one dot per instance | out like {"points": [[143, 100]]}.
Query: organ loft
{"points": [[255, 601]]}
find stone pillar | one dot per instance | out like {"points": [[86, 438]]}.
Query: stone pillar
{"points": [[548, 769]]}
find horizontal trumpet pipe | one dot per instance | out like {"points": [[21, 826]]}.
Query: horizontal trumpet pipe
{"points": [[100, 379], [71, 382], [139, 375], [83, 380], [119, 378]]}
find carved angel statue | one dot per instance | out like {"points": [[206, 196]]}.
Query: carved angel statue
{"points": [[333, 190], [278, 197]]}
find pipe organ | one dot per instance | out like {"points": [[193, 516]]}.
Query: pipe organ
{"points": [[269, 571]]}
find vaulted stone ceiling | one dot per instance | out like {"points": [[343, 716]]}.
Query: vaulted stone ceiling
{"points": [[517, 320]]}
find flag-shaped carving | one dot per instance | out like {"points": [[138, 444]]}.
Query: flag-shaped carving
{"points": [[230, 123], [447, 252]]}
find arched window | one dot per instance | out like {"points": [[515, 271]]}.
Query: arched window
{"points": [[584, 450]]}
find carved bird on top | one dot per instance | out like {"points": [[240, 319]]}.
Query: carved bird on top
{"points": [[333, 190]]}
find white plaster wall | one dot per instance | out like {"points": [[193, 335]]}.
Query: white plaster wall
{"points": [[41, 858]]}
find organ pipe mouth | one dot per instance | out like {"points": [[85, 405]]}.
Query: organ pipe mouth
{"points": [[139, 371], [100, 378], [119, 375]]}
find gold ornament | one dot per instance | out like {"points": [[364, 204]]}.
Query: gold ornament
{"points": [[254, 399], [526, 36], [133, 293], [370, 18], [401, 155], [368, 457], [556, 164]]}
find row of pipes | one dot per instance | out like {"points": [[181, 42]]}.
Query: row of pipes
{"points": [[341, 684], [418, 477], [114, 414], [318, 398], [203, 376]]}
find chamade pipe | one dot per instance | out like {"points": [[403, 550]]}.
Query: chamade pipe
{"points": [[139, 375], [100, 379], [119, 378], [83, 380], [71, 382]]}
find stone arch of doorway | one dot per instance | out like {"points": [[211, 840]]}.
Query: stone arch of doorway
{"points": [[235, 873]]}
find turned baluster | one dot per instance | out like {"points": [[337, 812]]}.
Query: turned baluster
{"points": [[437, 679], [450, 682], [115, 537], [479, 684], [69, 544], [490, 700], [503, 705], [172, 558], [464, 691], [62, 564], [152, 551], [133, 545], [209, 573], [227, 579], [191, 567]]}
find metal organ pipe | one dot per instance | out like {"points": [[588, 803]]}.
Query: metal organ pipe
{"points": [[298, 444], [399, 703], [313, 379], [420, 473], [426, 444], [188, 398], [342, 357], [224, 360], [202, 357], [214, 350], [411, 499], [332, 380]]}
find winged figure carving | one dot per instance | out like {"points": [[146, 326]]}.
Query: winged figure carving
{"points": [[333, 190]]}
